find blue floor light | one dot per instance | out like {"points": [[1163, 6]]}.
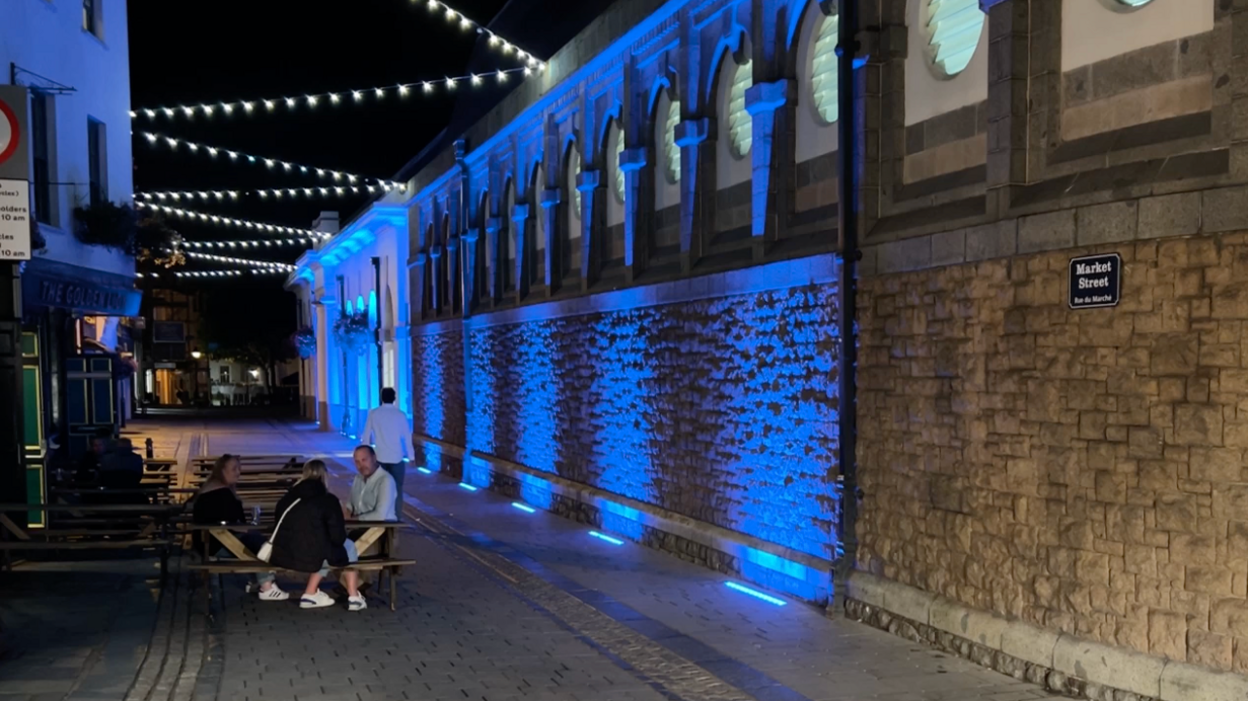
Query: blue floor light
{"points": [[609, 539], [469, 487], [756, 594], [424, 470], [524, 508]]}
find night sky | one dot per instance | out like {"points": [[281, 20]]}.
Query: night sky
{"points": [[247, 49]]}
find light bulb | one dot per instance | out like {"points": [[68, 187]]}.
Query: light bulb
{"points": [[269, 105], [290, 102]]}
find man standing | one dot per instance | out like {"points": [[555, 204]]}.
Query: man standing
{"points": [[372, 492], [390, 433]]}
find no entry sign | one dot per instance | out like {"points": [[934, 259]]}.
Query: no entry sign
{"points": [[15, 209]]}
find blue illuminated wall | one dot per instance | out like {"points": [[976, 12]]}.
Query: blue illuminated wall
{"points": [[722, 409], [438, 408]]}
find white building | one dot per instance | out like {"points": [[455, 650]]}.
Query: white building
{"points": [[72, 56]]}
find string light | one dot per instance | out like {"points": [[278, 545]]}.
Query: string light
{"points": [[226, 273], [251, 243], [292, 103], [495, 41], [271, 163], [236, 223], [276, 193], [271, 265]]}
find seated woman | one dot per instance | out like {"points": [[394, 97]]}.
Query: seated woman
{"points": [[217, 503], [312, 538]]}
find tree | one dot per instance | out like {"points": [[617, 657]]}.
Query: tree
{"points": [[251, 323]]}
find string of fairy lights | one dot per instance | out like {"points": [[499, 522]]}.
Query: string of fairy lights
{"points": [[275, 193], [312, 101], [344, 184]]}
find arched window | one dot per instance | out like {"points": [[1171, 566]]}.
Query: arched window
{"points": [[571, 253], [538, 265], [372, 308], [740, 123], [616, 146], [823, 75], [953, 31], [671, 151], [512, 236]]}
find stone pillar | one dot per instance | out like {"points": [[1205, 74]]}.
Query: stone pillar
{"points": [[637, 213], [322, 367], [494, 259], [1009, 45], [437, 278], [554, 242], [452, 267], [472, 250], [419, 288], [524, 249], [769, 104], [589, 184], [696, 139]]}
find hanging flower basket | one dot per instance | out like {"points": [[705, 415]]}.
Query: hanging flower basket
{"points": [[351, 331], [305, 342]]}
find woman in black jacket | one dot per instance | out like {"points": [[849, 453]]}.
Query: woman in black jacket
{"points": [[312, 537], [217, 503]]}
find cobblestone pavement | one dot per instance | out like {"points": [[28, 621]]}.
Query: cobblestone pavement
{"points": [[510, 605], [503, 605]]}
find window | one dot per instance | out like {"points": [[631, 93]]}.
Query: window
{"points": [[91, 17], [670, 148], [40, 145], [823, 70], [98, 159], [617, 150], [740, 123], [953, 31], [574, 179]]}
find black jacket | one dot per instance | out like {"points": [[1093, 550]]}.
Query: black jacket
{"points": [[313, 530], [214, 508]]}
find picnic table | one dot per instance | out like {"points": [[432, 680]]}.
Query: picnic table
{"points": [[116, 527], [379, 537]]}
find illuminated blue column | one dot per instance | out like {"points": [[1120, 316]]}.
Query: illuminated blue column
{"points": [[494, 274], [697, 187], [436, 278], [472, 249], [636, 224], [766, 102], [554, 242], [589, 184], [524, 249]]}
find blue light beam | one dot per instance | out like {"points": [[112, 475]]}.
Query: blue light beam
{"points": [[469, 487], [756, 594], [524, 508], [609, 539]]}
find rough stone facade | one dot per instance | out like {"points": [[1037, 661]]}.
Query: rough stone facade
{"points": [[438, 384], [1080, 470], [719, 409]]}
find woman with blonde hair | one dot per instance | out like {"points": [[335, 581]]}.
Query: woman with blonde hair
{"points": [[217, 503], [312, 538]]}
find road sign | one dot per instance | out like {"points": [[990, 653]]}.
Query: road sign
{"points": [[1095, 281], [15, 217], [14, 134]]}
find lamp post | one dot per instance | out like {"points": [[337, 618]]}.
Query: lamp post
{"points": [[195, 356]]}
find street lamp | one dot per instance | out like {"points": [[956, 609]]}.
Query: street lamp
{"points": [[196, 355]]}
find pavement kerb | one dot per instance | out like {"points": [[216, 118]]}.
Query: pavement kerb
{"points": [[1058, 657]]}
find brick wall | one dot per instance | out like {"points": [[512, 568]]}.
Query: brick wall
{"points": [[439, 409], [1083, 471], [723, 410]]}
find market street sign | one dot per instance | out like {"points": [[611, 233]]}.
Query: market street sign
{"points": [[15, 210], [1095, 281]]}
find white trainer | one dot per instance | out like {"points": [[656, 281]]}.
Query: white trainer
{"points": [[356, 603], [273, 593], [319, 600]]}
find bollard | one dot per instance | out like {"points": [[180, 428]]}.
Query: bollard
{"points": [[151, 450]]}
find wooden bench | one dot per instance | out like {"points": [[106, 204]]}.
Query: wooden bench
{"points": [[382, 534], [122, 527]]}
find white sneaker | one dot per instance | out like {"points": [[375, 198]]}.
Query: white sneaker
{"points": [[356, 603], [319, 600], [274, 593]]}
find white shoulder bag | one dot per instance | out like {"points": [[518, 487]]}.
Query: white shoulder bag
{"points": [[266, 550]]}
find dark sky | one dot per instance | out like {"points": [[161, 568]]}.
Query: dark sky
{"points": [[228, 50]]}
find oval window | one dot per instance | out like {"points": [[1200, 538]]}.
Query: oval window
{"points": [[953, 31]]}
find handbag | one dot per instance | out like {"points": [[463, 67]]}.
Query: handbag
{"points": [[266, 550]]}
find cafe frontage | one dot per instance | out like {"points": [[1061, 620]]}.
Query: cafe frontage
{"points": [[78, 362]]}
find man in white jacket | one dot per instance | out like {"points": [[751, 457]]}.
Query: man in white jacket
{"points": [[390, 434]]}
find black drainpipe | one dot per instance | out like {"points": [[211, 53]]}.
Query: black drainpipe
{"points": [[847, 424], [381, 361]]}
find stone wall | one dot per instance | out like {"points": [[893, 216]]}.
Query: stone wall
{"points": [[721, 409], [1079, 470], [438, 409]]}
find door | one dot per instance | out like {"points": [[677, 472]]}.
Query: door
{"points": [[92, 406]]}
